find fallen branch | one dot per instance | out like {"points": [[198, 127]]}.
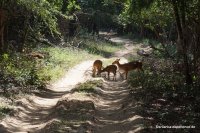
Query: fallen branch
{"points": [[42, 40], [160, 50]]}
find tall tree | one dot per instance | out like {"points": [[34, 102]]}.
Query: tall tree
{"points": [[179, 13]]}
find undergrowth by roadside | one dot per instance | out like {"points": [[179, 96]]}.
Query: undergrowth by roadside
{"points": [[164, 97], [23, 72]]}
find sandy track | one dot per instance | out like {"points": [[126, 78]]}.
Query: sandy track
{"points": [[114, 114]]}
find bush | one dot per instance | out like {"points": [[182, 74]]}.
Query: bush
{"points": [[88, 86], [17, 70], [163, 95], [4, 111]]}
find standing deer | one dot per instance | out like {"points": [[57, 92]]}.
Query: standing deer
{"points": [[109, 69], [97, 66], [128, 66]]}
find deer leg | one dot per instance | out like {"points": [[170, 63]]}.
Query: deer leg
{"points": [[98, 72], [93, 72], [126, 74], [114, 76], [108, 75], [121, 75]]}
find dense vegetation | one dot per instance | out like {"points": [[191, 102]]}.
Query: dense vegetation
{"points": [[40, 38]]}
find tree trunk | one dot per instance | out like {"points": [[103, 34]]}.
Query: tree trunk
{"points": [[181, 39], [5, 47], [141, 31], [24, 35], [2, 24]]}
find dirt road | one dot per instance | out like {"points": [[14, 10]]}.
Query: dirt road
{"points": [[113, 113]]}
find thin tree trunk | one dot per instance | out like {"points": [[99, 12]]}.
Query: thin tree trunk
{"points": [[141, 31], [2, 24], [170, 31], [5, 47], [24, 36]]}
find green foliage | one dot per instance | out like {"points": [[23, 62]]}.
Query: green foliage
{"points": [[73, 6], [17, 70], [43, 10], [91, 5], [56, 4], [88, 86], [104, 12], [150, 14]]}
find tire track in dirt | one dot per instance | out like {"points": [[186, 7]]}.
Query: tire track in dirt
{"points": [[116, 111]]}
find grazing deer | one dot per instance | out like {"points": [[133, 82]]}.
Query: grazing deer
{"points": [[109, 69], [97, 65], [128, 66]]}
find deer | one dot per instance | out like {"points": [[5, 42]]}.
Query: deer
{"points": [[109, 69], [128, 66], [97, 66]]}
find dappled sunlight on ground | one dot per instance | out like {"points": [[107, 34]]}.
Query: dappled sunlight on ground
{"points": [[111, 110], [106, 110], [32, 114]]}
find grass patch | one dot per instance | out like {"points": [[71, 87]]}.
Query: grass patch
{"points": [[88, 87], [4, 111]]}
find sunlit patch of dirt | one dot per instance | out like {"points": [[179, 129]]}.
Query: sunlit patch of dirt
{"points": [[77, 74], [73, 113]]}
